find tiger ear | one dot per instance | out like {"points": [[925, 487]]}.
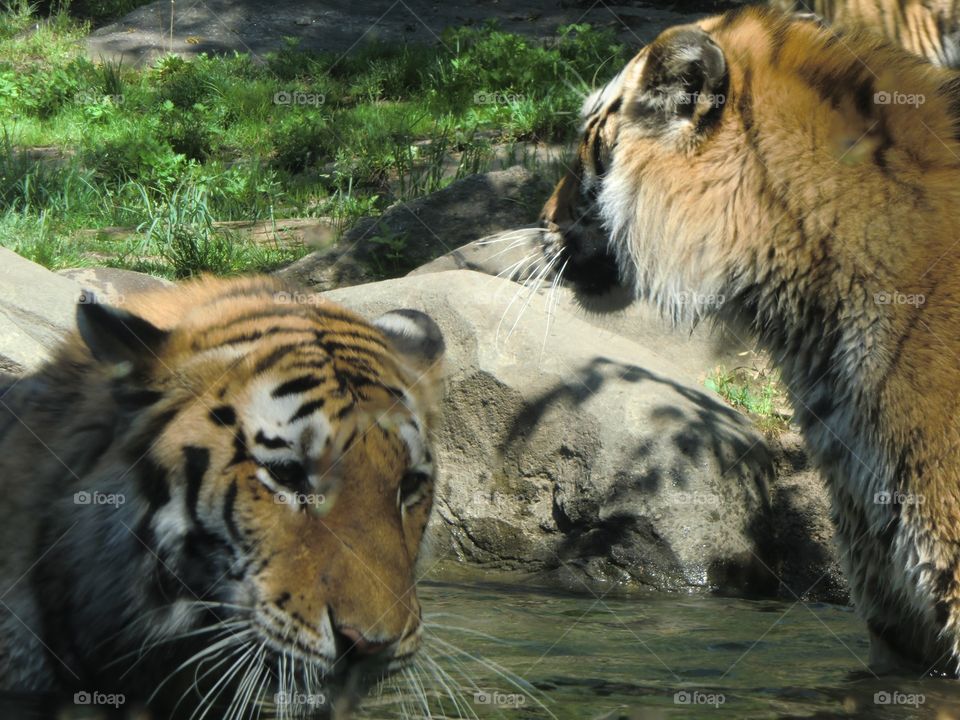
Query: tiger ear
{"points": [[116, 336], [684, 77], [415, 336]]}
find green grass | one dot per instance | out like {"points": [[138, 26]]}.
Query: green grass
{"points": [[87, 145], [756, 392]]}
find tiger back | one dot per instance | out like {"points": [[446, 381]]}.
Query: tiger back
{"points": [[928, 28]]}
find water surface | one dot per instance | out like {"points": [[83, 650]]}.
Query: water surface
{"points": [[645, 657]]}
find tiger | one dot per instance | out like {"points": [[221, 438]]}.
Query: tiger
{"points": [[214, 500], [928, 28], [803, 184]]}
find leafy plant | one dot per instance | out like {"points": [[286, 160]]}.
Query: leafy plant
{"points": [[753, 391]]}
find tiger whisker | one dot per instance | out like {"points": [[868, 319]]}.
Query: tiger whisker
{"points": [[508, 248], [537, 274], [214, 693], [241, 696], [524, 233], [513, 679], [534, 286], [419, 693], [197, 678], [443, 677], [145, 647], [553, 299], [196, 657], [514, 269]]}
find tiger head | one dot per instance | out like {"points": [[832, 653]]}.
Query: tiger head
{"points": [[273, 449], [747, 144]]}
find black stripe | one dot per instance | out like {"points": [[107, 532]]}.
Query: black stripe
{"points": [[268, 442], [229, 503], [240, 452], [152, 480], [252, 335], [274, 357], [308, 408], [223, 415], [598, 168], [339, 335], [197, 461], [298, 385], [137, 398], [159, 423]]}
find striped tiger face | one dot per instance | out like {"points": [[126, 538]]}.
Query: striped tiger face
{"points": [[661, 106], [289, 481], [724, 145]]}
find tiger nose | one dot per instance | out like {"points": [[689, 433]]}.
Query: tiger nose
{"points": [[352, 641]]}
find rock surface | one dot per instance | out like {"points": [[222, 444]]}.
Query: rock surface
{"points": [[410, 234], [37, 308], [575, 452], [567, 450], [112, 285], [694, 351]]}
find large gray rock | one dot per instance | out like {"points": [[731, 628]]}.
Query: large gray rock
{"points": [[410, 234], [113, 285], [694, 352], [570, 450], [566, 449], [808, 560], [36, 308]]}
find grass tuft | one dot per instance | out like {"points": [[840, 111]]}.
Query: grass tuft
{"points": [[177, 147]]}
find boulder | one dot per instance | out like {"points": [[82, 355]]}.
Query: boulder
{"points": [[38, 307], [694, 352], [410, 234], [574, 452], [112, 285], [566, 450]]}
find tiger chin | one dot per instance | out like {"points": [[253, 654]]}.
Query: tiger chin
{"points": [[214, 499], [804, 184]]}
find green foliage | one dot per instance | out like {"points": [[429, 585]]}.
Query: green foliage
{"points": [[755, 392], [302, 141], [187, 142], [136, 152], [388, 258]]}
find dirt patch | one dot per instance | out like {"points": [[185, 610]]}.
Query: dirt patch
{"points": [[223, 26]]}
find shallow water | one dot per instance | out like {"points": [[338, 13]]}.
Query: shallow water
{"points": [[648, 657]]}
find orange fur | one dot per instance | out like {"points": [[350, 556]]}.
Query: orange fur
{"points": [[262, 440], [822, 204]]}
